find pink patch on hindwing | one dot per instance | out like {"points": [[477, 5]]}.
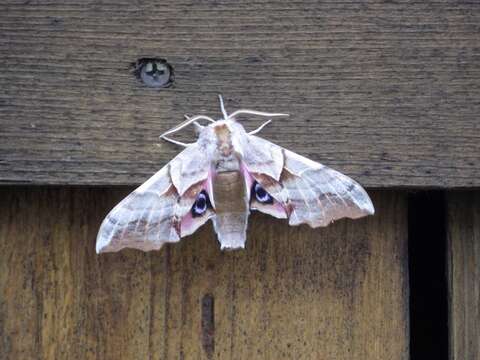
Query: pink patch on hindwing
{"points": [[189, 223], [276, 209]]}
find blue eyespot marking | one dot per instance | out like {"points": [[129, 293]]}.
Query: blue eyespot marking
{"points": [[201, 204], [260, 194]]}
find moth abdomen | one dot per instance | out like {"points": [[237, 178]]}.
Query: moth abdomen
{"points": [[232, 210]]}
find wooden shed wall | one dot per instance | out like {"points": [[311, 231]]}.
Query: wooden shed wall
{"points": [[294, 293]]}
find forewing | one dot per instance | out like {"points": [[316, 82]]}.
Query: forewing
{"points": [[318, 195], [260, 156], [158, 211], [310, 192]]}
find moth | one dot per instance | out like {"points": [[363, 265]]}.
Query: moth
{"points": [[222, 176]]}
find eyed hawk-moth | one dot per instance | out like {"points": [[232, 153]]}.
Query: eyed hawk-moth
{"points": [[222, 176]]}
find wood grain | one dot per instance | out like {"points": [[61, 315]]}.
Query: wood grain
{"points": [[294, 293], [385, 91], [464, 274]]}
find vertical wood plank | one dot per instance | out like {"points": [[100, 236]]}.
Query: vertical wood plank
{"points": [[59, 300], [295, 292], [464, 274]]}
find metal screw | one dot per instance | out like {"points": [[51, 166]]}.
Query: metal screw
{"points": [[154, 72]]}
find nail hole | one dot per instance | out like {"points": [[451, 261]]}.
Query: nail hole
{"points": [[154, 72]]}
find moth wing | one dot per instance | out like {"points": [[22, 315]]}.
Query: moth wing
{"points": [[306, 191], [158, 211]]}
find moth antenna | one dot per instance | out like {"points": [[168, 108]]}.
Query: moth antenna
{"points": [[222, 106], [174, 141], [257, 130], [254, 112]]}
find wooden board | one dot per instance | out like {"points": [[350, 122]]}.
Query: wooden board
{"points": [[464, 274], [294, 293], [385, 91]]}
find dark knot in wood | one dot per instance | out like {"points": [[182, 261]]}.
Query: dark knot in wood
{"points": [[208, 325]]}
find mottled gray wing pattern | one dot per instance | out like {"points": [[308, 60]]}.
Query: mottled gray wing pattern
{"points": [[310, 192], [152, 214]]}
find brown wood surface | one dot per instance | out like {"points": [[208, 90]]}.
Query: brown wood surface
{"points": [[294, 293], [385, 91], [464, 274]]}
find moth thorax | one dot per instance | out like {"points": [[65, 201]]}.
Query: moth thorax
{"points": [[231, 208], [227, 164], [225, 151]]}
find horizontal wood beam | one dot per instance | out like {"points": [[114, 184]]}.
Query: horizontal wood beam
{"points": [[386, 92]]}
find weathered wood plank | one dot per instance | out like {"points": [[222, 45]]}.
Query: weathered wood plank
{"points": [[334, 293], [387, 92], [464, 274]]}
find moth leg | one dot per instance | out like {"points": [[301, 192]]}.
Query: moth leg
{"points": [[198, 117], [186, 123], [180, 127], [257, 130], [198, 126]]}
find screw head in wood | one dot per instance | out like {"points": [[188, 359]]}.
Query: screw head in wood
{"points": [[154, 72]]}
